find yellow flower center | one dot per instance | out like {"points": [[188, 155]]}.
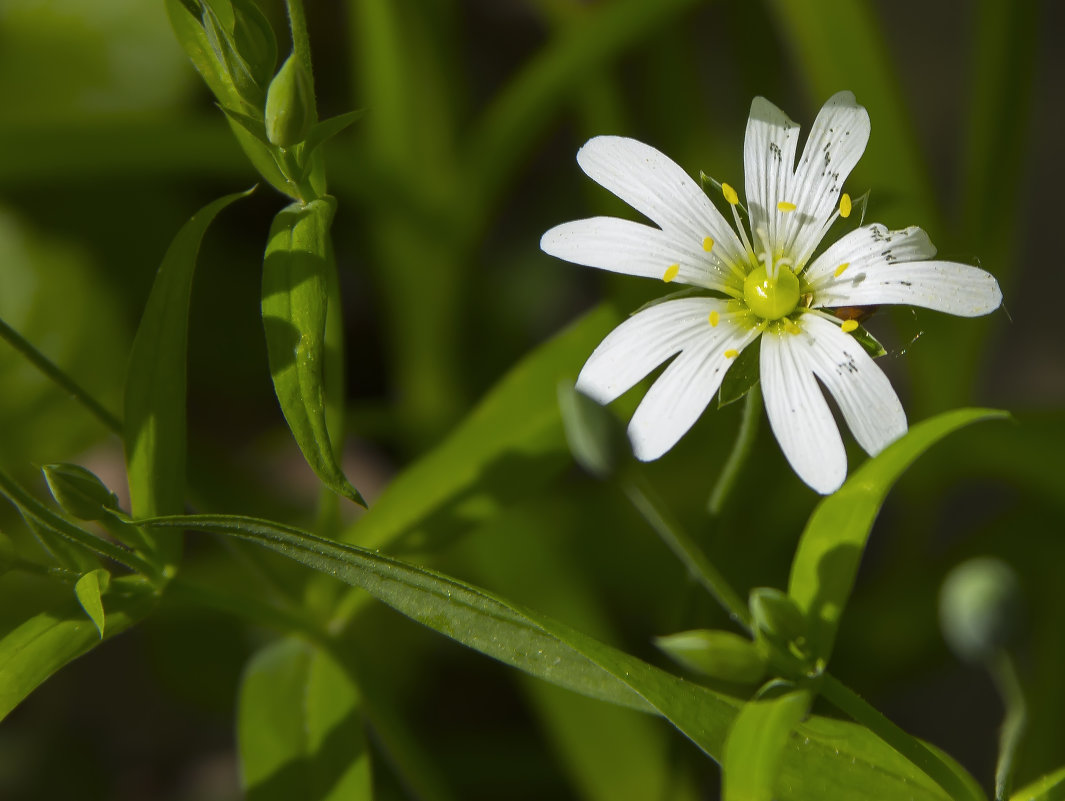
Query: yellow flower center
{"points": [[771, 298]]}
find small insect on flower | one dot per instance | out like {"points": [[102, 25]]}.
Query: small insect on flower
{"points": [[768, 280]]}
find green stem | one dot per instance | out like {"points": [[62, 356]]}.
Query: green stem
{"points": [[683, 546], [301, 41], [1014, 723], [42, 363], [934, 766], [752, 412]]}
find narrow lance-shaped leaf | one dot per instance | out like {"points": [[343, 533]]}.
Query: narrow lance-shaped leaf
{"points": [[89, 591], [299, 727], [830, 549], [155, 379], [824, 759], [295, 303], [755, 746], [34, 649]]}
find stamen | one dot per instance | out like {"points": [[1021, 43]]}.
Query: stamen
{"points": [[731, 354], [708, 244], [714, 319], [848, 326], [840, 270], [730, 194], [742, 231], [791, 327], [845, 205], [785, 206], [671, 272], [767, 255]]}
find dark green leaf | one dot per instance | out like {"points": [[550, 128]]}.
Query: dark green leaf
{"points": [[36, 648], [79, 492], [594, 436], [1050, 787], [826, 561], [155, 380], [325, 130], [89, 590], [299, 727], [825, 759], [720, 655], [295, 302], [193, 39], [756, 743]]}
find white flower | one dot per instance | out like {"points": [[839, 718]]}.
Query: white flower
{"points": [[769, 285]]}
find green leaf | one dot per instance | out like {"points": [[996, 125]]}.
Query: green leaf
{"points": [[36, 648], [502, 449], [295, 301], [194, 40], [775, 615], [594, 436], [719, 654], [155, 379], [1050, 787], [824, 759], [299, 727], [79, 492], [831, 546], [756, 743], [89, 590], [325, 130]]}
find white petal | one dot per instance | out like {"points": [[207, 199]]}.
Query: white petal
{"points": [[864, 247], [631, 248], [798, 413], [659, 189], [836, 142], [680, 395], [864, 395], [644, 341], [879, 271], [768, 162]]}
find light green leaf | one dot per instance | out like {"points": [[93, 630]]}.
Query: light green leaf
{"points": [[505, 446], [821, 754], [36, 648], [155, 380], [299, 727], [1050, 787], [831, 546], [325, 130], [721, 655], [194, 40], [295, 302], [756, 743], [89, 590], [79, 492]]}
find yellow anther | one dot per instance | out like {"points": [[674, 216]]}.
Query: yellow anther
{"points": [[845, 205], [840, 270], [671, 272], [731, 354], [714, 319], [730, 194], [791, 327], [708, 244], [848, 326], [785, 206]]}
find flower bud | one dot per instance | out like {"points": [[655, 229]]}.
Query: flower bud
{"points": [[290, 111], [717, 654], [776, 615], [79, 492], [979, 608]]}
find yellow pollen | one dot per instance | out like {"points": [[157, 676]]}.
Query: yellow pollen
{"points": [[730, 194], [791, 327], [785, 206], [848, 326], [708, 244], [714, 319], [845, 205], [671, 272], [731, 354], [842, 268]]}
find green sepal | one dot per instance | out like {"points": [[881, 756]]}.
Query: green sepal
{"points": [[869, 343], [776, 615], [79, 492], [742, 376], [718, 654], [89, 590]]}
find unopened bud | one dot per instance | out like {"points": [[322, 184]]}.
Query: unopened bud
{"points": [[979, 608], [717, 654], [289, 105]]}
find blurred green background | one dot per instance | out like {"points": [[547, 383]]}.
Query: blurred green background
{"points": [[474, 110]]}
